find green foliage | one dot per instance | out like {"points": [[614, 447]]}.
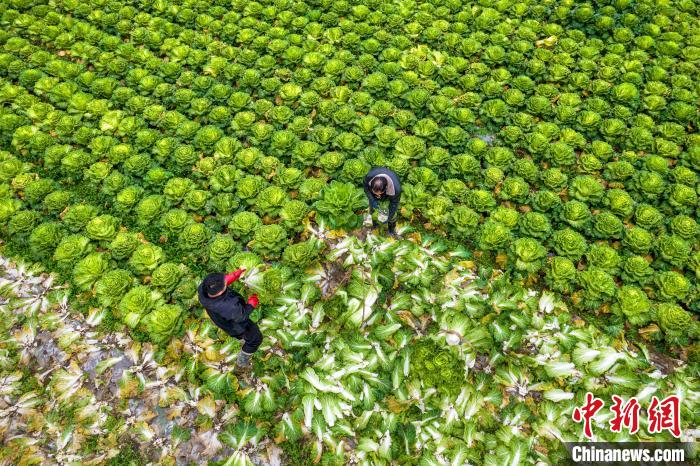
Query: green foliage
{"points": [[71, 249], [674, 320], [494, 236], [194, 237], [561, 274], [598, 287], [529, 254], [145, 258], [123, 245], [300, 255], [166, 277], [633, 304], [671, 286], [569, 243], [138, 302], [88, 270], [163, 322], [269, 241], [338, 203], [539, 145], [128, 455], [102, 228], [112, 285], [435, 366], [244, 224]]}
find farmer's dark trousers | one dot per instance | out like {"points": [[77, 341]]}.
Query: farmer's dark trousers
{"points": [[252, 337]]}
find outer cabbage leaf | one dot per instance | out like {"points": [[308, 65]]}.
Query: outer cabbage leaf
{"points": [[338, 203]]}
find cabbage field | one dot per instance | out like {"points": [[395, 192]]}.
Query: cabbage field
{"points": [[549, 238]]}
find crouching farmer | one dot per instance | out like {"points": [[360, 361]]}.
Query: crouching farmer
{"points": [[231, 313], [382, 184]]}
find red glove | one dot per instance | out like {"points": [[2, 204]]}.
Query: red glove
{"points": [[233, 276], [254, 301]]}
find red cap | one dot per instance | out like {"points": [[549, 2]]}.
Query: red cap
{"points": [[233, 276]]}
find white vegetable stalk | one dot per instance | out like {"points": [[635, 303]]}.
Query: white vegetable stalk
{"points": [[558, 395]]}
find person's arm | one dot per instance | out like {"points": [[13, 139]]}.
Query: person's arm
{"points": [[250, 306], [393, 206], [247, 310], [233, 308], [233, 276], [372, 201]]}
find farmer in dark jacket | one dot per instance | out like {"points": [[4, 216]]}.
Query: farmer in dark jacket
{"points": [[231, 313], [380, 184]]}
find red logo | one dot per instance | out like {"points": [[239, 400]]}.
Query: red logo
{"points": [[665, 415], [585, 413], [625, 416]]}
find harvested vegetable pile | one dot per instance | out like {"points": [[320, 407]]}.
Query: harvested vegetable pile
{"points": [[550, 247]]}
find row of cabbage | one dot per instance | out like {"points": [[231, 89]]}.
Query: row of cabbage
{"points": [[622, 218], [466, 371]]}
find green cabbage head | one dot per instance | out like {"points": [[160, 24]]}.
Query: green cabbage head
{"points": [[78, 216], [638, 240], [112, 285], [435, 366], [293, 214], [222, 248], [632, 303], [673, 249], [146, 258], [536, 225], [636, 269], [163, 322], [569, 243], [166, 277], [44, 238], [561, 274], [684, 226], [671, 286], [174, 220], [675, 322], [72, 248], [338, 203], [138, 302], [90, 269], [123, 245], [243, 224], [598, 288], [269, 241], [603, 257], [529, 254], [244, 260], [270, 200], [494, 236], [586, 189], [103, 228], [300, 255], [463, 222], [194, 237]]}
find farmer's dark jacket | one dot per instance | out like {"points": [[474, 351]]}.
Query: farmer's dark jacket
{"points": [[393, 200], [229, 311]]}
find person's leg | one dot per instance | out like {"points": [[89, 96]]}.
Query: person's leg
{"points": [[253, 338], [392, 227]]}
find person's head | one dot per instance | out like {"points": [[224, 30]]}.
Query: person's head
{"points": [[215, 284], [378, 186]]}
